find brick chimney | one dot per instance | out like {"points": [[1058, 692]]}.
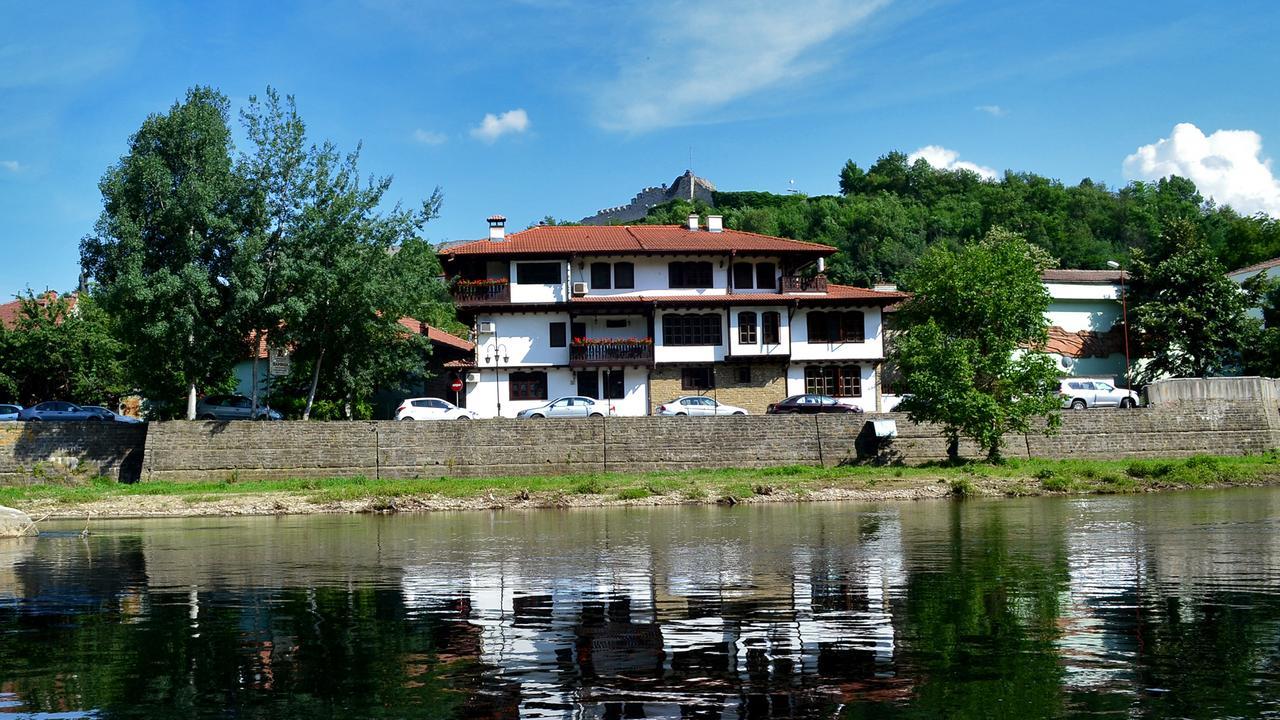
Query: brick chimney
{"points": [[497, 228]]}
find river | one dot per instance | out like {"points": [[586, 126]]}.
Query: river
{"points": [[1140, 606]]}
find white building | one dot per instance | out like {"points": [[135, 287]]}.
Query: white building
{"points": [[1267, 269], [1086, 322], [641, 314]]}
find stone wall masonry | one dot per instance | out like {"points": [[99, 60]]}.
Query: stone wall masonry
{"points": [[209, 451], [50, 451]]}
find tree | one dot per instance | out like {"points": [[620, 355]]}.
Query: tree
{"points": [[57, 350], [174, 212], [1191, 319], [965, 355]]}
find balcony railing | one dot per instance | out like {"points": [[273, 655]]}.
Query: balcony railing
{"points": [[474, 292], [605, 352], [797, 284]]}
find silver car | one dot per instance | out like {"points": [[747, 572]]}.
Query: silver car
{"points": [[9, 412], [56, 410], [233, 407], [698, 405], [107, 414], [568, 407], [1081, 394]]}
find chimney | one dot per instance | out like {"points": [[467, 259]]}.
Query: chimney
{"points": [[822, 265], [693, 222], [497, 228], [885, 287], [715, 223]]}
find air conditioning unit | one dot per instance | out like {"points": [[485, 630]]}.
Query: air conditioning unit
{"points": [[472, 377], [486, 328], [579, 289]]}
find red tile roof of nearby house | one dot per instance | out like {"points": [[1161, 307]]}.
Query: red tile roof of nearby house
{"points": [[1264, 265], [841, 293], [1084, 276], [10, 312], [552, 240], [437, 335]]}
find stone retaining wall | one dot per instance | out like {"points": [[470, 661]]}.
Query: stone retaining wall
{"points": [[199, 451]]}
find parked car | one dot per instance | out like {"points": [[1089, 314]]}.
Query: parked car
{"points": [[106, 414], [1081, 394], [698, 405], [433, 409], [9, 412], [57, 410], [233, 407], [810, 405], [571, 406]]}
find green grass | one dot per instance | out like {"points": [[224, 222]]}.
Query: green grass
{"points": [[1014, 477]]}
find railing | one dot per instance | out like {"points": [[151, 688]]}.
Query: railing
{"points": [[464, 293], [603, 352], [797, 284]]}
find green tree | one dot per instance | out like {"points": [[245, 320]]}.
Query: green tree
{"points": [[964, 355], [174, 212], [1191, 319], [61, 350]]}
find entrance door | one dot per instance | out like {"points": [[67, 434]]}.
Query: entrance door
{"points": [[589, 384]]}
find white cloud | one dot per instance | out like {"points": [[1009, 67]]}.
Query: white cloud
{"points": [[945, 159], [689, 60], [1227, 166], [11, 165], [429, 137], [495, 126], [992, 110]]}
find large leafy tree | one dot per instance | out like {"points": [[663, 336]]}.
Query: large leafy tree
{"points": [[963, 355], [1191, 319], [62, 350], [174, 212]]}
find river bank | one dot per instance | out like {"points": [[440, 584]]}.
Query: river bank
{"points": [[102, 498]]}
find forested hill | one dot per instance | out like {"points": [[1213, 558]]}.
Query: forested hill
{"points": [[889, 213]]}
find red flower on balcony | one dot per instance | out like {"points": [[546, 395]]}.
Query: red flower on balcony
{"points": [[480, 283], [586, 342]]}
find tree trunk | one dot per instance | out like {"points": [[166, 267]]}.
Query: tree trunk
{"points": [[191, 401], [315, 380], [953, 446]]}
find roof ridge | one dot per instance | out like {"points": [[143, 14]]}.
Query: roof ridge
{"points": [[634, 236]]}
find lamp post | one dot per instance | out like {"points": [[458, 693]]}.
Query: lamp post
{"points": [[498, 350], [1124, 310]]}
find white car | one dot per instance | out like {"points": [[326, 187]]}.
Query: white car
{"points": [[433, 409], [698, 405], [568, 407], [1081, 394]]}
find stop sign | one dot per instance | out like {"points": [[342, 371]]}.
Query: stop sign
{"points": [[456, 385]]}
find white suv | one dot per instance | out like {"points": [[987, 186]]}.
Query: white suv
{"points": [[1081, 394], [433, 409]]}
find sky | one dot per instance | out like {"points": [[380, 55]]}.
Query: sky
{"points": [[531, 108]]}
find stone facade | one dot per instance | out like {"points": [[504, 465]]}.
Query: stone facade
{"points": [[56, 451], [768, 384], [687, 187]]}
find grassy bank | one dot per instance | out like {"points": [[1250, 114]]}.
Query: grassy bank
{"points": [[104, 498]]}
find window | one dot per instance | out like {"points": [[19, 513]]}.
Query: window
{"points": [[743, 276], [601, 274], [833, 380], [539, 273], [697, 379], [691, 330], [747, 328], [589, 383], [765, 272], [614, 388], [624, 275], [431, 403], [615, 323], [527, 386], [769, 323], [689, 274], [743, 374], [578, 330], [836, 327], [557, 333]]}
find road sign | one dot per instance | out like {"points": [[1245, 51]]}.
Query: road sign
{"points": [[456, 385], [278, 363]]}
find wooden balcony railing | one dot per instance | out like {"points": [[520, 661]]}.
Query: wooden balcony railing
{"points": [[602, 352], [797, 284], [465, 293]]}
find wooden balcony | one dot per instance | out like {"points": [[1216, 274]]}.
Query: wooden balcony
{"points": [[798, 284], [602, 353], [465, 293]]}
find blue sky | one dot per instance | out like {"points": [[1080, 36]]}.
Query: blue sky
{"points": [[552, 107]]}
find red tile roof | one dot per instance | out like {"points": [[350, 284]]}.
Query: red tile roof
{"points": [[1264, 265], [10, 312], [1084, 276], [437, 335], [553, 240]]}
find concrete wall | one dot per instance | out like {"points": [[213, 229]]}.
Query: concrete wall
{"points": [[53, 451]]}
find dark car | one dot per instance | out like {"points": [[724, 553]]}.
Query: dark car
{"points": [[57, 410], [107, 414], [810, 405]]}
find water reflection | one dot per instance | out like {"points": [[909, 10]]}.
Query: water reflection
{"points": [[1147, 607]]}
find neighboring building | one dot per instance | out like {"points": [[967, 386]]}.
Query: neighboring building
{"points": [[642, 314], [686, 187], [1267, 268], [1086, 322], [10, 312]]}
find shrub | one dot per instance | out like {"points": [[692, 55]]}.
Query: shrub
{"points": [[589, 486], [633, 493], [963, 488], [1056, 484]]}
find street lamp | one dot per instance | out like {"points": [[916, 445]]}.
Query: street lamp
{"points": [[1124, 309], [498, 350]]}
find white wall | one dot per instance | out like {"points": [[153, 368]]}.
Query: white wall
{"points": [[1077, 315], [802, 349], [1239, 278], [537, 293], [483, 396], [526, 339], [651, 276], [760, 349], [688, 353], [867, 401], [1083, 291], [635, 385]]}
